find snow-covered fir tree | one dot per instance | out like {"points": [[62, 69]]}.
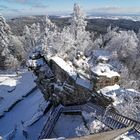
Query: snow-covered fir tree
{"points": [[35, 33], [46, 23], [27, 40], [78, 29], [46, 42], [7, 60], [31, 35], [65, 43]]}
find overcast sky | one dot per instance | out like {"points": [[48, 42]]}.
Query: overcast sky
{"points": [[39, 7]]}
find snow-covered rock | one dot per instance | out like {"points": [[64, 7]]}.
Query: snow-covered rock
{"points": [[126, 101], [104, 70], [65, 66]]}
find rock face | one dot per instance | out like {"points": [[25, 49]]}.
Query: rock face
{"points": [[101, 72], [103, 81], [61, 83]]}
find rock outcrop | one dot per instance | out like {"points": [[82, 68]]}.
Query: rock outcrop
{"points": [[61, 82]]}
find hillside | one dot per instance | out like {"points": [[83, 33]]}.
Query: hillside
{"points": [[97, 25]]}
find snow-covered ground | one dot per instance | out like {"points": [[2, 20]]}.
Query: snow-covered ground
{"points": [[113, 17], [21, 121], [29, 108], [13, 88], [69, 126], [126, 101], [73, 125], [133, 18], [22, 112]]}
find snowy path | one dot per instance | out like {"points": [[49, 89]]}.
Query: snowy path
{"points": [[23, 111]]}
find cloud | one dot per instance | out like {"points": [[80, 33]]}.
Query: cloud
{"points": [[40, 5], [28, 2], [116, 10], [6, 8], [19, 1], [3, 7]]}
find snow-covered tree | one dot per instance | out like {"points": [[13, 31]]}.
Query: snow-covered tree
{"points": [[26, 31], [35, 33], [7, 60], [98, 43], [16, 47], [125, 44], [138, 36], [46, 23], [69, 40], [78, 29], [65, 43], [27, 38], [31, 35], [47, 41]]}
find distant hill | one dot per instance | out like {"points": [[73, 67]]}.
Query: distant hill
{"points": [[97, 25]]}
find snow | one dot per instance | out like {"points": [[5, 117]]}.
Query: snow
{"points": [[123, 137], [64, 16], [109, 88], [80, 80], [65, 66], [97, 53], [35, 63], [23, 111], [102, 58], [29, 110], [118, 94], [113, 17], [13, 88], [94, 125], [8, 80], [77, 125], [69, 126], [84, 82], [131, 135], [104, 70], [126, 101]]}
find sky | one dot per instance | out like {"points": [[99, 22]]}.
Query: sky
{"points": [[55, 7]]}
